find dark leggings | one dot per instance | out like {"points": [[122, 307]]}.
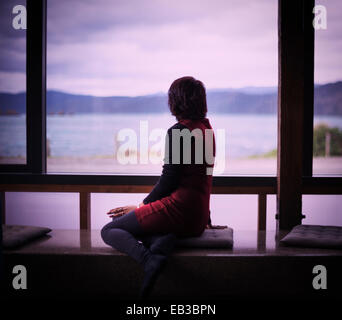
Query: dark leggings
{"points": [[126, 235]]}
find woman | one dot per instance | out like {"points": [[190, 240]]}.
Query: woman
{"points": [[178, 205]]}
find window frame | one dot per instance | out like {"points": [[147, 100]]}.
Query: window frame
{"points": [[34, 172], [35, 92]]}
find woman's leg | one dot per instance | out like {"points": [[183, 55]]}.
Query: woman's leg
{"points": [[125, 239], [121, 234], [160, 244]]}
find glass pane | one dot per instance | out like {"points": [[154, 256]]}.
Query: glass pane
{"points": [[12, 82], [271, 209], [111, 64], [47, 209], [318, 210], [322, 209], [328, 99], [237, 211]]}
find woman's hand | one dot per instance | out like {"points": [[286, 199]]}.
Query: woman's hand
{"points": [[120, 211]]}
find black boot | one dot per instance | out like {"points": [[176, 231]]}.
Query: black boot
{"points": [[153, 267]]}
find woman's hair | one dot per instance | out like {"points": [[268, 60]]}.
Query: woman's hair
{"points": [[187, 99]]}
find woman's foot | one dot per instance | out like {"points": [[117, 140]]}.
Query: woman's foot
{"points": [[153, 267]]}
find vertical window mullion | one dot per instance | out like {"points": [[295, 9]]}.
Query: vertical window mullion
{"points": [[36, 85], [308, 118]]}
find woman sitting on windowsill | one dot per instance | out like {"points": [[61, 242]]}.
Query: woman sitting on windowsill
{"points": [[178, 205]]}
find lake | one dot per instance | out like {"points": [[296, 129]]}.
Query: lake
{"points": [[87, 135], [94, 134]]}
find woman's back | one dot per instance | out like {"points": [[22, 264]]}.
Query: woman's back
{"points": [[184, 208]]}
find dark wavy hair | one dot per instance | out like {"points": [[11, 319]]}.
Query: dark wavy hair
{"points": [[187, 99]]}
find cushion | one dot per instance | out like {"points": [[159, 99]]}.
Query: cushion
{"points": [[314, 236], [14, 235], [210, 238]]}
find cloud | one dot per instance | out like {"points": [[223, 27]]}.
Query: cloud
{"points": [[142, 48], [133, 47], [12, 81], [12, 42], [328, 44]]}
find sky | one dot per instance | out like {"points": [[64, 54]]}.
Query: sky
{"points": [[136, 47]]}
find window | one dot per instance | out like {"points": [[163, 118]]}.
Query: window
{"points": [[12, 82], [328, 99], [322, 209], [109, 69], [110, 64], [35, 209]]}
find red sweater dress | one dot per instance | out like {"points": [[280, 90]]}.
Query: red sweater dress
{"points": [[179, 203]]}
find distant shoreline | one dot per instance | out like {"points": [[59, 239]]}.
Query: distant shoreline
{"points": [[253, 100]]}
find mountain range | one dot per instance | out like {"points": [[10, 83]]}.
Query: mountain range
{"points": [[249, 100]]}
